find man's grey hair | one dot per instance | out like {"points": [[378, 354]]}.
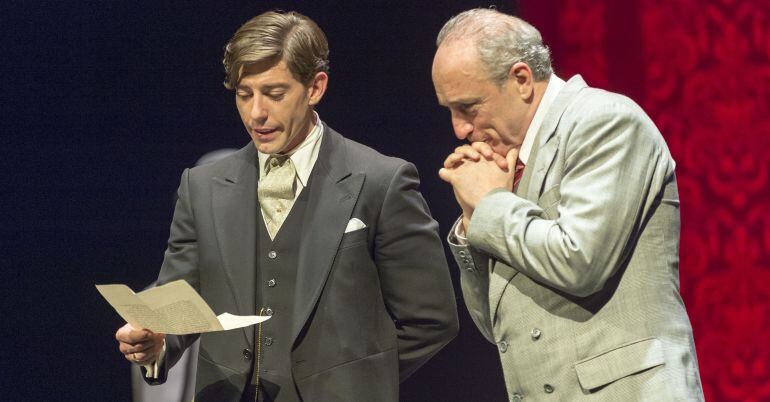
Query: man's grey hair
{"points": [[501, 40]]}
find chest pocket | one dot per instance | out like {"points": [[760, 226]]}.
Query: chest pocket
{"points": [[354, 238]]}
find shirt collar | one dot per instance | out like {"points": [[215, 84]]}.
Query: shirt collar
{"points": [[555, 84], [303, 156]]}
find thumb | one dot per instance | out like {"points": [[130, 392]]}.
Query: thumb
{"points": [[511, 157], [445, 174]]}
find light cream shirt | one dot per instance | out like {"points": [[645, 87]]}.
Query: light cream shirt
{"points": [[555, 84], [303, 157]]}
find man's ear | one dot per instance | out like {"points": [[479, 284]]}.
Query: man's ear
{"points": [[317, 88], [521, 75]]}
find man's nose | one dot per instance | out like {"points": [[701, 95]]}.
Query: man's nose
{"points": [[463, 128], [258, 110]]}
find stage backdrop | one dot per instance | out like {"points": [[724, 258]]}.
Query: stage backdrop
{"points": [[701, 69]]}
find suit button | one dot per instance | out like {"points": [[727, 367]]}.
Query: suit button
{"points": [[517, 397], [462, 253], [535, 334], [502, 346], [247, 355], [271, 283], [548, 388], [268, 311], [268, 341], [272, 254]]}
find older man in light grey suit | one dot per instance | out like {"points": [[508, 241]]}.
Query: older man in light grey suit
{"points": [[573, 272]]}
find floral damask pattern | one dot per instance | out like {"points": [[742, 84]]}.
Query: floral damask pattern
{"points": [[706, 84], [587, 45]]}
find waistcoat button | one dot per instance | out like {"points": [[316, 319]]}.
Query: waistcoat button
{"points": [[247, 354]]}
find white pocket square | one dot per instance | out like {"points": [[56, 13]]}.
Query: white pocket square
{"points": [[354, 224]]}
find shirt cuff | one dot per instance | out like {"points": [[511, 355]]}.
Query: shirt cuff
{"points": [[458, 234], [152, 370]]}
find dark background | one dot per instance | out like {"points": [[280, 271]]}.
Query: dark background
{"points": [[105, 102]]}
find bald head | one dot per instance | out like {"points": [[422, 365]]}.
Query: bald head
{"points": [[458, 59], [500, 40]]}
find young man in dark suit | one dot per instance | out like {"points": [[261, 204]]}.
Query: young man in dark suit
{"points": [[326, 235]]}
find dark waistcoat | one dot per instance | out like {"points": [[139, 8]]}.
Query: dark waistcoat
{"points": [[277, 261]]}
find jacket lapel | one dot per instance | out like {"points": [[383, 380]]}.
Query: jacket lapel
{"points": [[531, 184], [234, 201], [548, 143], [333, 194]]}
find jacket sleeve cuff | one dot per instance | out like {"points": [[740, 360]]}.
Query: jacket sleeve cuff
{"points": [[457, 234]]}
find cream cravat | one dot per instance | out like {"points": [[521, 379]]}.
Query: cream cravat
{"points": [[276, 192]]}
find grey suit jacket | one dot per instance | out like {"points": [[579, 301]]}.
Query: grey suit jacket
{"points": [[371, 305], [576, 276]]}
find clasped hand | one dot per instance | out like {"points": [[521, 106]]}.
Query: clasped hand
{"points": [[474, 170]]}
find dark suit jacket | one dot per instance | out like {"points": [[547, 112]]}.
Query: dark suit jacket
{"points": [[371, 306]]}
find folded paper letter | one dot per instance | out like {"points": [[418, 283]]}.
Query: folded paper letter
{"points": [[174, 308]]}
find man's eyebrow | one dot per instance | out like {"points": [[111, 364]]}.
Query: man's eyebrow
{"points": [[266, 87], [464, 101], [270, 87]]}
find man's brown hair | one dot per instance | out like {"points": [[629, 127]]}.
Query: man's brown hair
{"points": [[274, 36]]}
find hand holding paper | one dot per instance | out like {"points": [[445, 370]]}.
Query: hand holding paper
{"points": [[174, 308]]}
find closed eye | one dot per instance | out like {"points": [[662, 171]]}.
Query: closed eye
{"points": [[275, 95], [467, 108]]}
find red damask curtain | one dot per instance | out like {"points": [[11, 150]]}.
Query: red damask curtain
{"points": [[701, 69]]}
